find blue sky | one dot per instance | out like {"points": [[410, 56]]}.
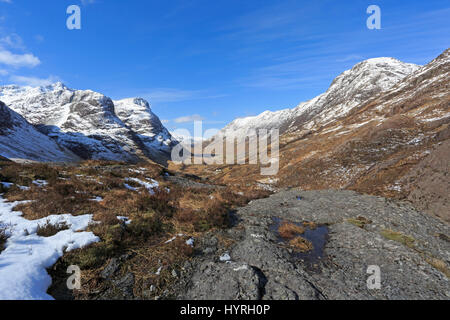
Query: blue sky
{"points": [[211, 60]]}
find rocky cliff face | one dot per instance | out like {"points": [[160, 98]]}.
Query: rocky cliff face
{"points": [[86, 122], [20, 140], [137, 115]]}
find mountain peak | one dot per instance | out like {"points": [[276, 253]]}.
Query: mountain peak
{"points": [[365, 80], [91, 124], [135, 102]]}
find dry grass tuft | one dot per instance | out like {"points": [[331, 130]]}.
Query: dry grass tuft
{"points": [[49, 230], [301, 244], [310, 224], [439, 265], [289, 230]]}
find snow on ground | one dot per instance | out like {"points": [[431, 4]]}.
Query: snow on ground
{"points": [[225, 257], [40, 183], [148, 185], [7, 184], [190, 242], [124, 219], [97, 199], [130, 187], [23, 263], [174, 237]]}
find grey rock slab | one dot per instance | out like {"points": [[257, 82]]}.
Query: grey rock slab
{"points": [[272, 272]]}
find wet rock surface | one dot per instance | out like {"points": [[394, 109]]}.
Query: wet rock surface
{"points": [[410, 248]]}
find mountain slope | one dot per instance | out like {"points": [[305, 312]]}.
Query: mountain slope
{"points": [[20, 140], [137, 115], [353, 87], [84, 122], [385, 146]]}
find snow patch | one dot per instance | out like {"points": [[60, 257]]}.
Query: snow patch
{"points": [[23, 263]]}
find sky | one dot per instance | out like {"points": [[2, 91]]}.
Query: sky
{"points": [[211, 60]]}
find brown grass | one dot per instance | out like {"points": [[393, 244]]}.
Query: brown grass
{"points": [[309, 224], [49, 230], [154, 218], [301, 244], [440, 265], [289, 230]]}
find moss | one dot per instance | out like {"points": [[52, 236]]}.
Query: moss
{"points": [[398, 237], [360, 222]]}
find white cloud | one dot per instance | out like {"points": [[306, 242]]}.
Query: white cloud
{"points": [[34, 81], [6, 1], [18, 60], [3, 72], [191, 118]]}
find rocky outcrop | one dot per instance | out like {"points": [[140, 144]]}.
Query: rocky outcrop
{"points": [[351, 233]]}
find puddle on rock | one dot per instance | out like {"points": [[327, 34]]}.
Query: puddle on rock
{"points": [[317, 236]]}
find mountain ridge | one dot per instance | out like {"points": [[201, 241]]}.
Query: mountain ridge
{"points": [[348, 90], [86, 123]]}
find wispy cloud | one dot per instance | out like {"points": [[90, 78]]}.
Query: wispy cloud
{"points": [[39, 38], [6, 1], [86, 2], [350, 57], [177, 95], [190, 118], [34, 81], [12, 41]]}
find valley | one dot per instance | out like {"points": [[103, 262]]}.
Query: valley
{"points": [[363, 181]]}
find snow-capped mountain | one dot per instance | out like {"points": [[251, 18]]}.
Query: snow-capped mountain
{"points": [[20, 140], [137, 115], [396, 144], [364, 81], [86, 122]]}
